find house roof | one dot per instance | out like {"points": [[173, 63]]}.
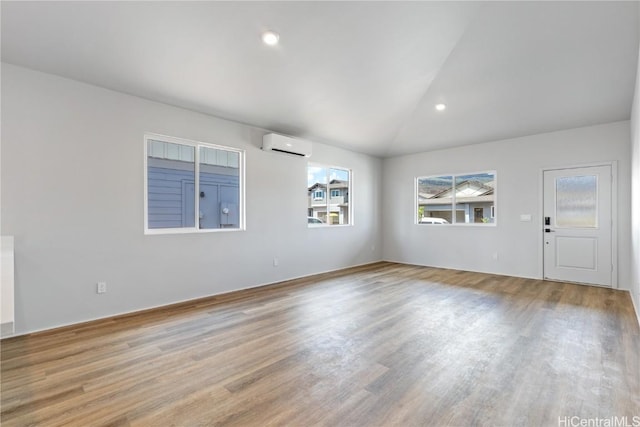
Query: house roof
{"points": [[470, 191], [333, 184], [361, 75], [469, 188]]}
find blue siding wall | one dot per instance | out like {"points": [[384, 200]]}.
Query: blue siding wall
{"points": [[171, 196]]}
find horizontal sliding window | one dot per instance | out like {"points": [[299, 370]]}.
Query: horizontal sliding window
{"points": [[192, 186], [329, 192], [457, 199]]}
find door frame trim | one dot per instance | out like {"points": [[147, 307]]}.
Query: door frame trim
{"points": [[614, 214]]}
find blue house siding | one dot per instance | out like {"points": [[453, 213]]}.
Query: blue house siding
{"points": [[166, 197], [171, 195]]}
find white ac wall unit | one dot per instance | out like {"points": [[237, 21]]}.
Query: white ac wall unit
{"points": [[285, 144]]}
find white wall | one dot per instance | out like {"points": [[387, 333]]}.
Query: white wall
{"points": [[72, 195], [72, 188], [519, 163], [635, 196]]}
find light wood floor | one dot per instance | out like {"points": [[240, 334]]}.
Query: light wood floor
{"points": [[380, 345]]}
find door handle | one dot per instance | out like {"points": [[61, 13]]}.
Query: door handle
{"points": [[548, 230]]}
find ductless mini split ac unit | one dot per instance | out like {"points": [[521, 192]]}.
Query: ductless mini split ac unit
{"points": [[287, 145]]}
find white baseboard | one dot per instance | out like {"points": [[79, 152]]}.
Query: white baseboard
{"points": [[6, 329], [128, 312]]}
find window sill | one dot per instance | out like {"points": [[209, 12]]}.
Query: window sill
{"points": [[161, 231], [459, 225], [329, 225]]}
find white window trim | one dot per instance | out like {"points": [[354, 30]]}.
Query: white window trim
{"points": [[453, 198], [349, 188], [196, 144]]}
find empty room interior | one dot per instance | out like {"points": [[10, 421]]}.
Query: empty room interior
{"points": [[320, 213]]}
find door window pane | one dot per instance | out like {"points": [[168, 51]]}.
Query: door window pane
{"points": [[576, 201]]}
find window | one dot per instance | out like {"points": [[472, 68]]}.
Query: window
{"points": [[192, 186], [577, 201], [457, 199], [333, 210]]}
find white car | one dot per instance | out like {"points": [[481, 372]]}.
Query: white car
{"points": [[432, 220]]}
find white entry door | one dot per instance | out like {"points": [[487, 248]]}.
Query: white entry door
{"points": [[577, 225]]}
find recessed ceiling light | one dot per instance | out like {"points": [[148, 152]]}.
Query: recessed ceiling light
{"points": [[270, 38], [441, 107]]}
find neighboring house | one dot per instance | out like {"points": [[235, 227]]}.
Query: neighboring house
{"points": [[337, 202], [474, 202], [171, 187]]}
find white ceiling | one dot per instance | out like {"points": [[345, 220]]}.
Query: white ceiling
{"points": [[362, 75]]}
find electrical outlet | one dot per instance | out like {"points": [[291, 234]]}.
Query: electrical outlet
{"points": [[275, 261], [101, 288], [495, 256]]}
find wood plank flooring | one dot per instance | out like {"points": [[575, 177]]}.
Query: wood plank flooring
{"points": [[379, 345]]}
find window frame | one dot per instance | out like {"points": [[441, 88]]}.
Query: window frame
{"points": [[327, 194], [494, 206], [148, 136]]}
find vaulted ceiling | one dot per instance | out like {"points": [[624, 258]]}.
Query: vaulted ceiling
{"points": [[362, 75]]}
